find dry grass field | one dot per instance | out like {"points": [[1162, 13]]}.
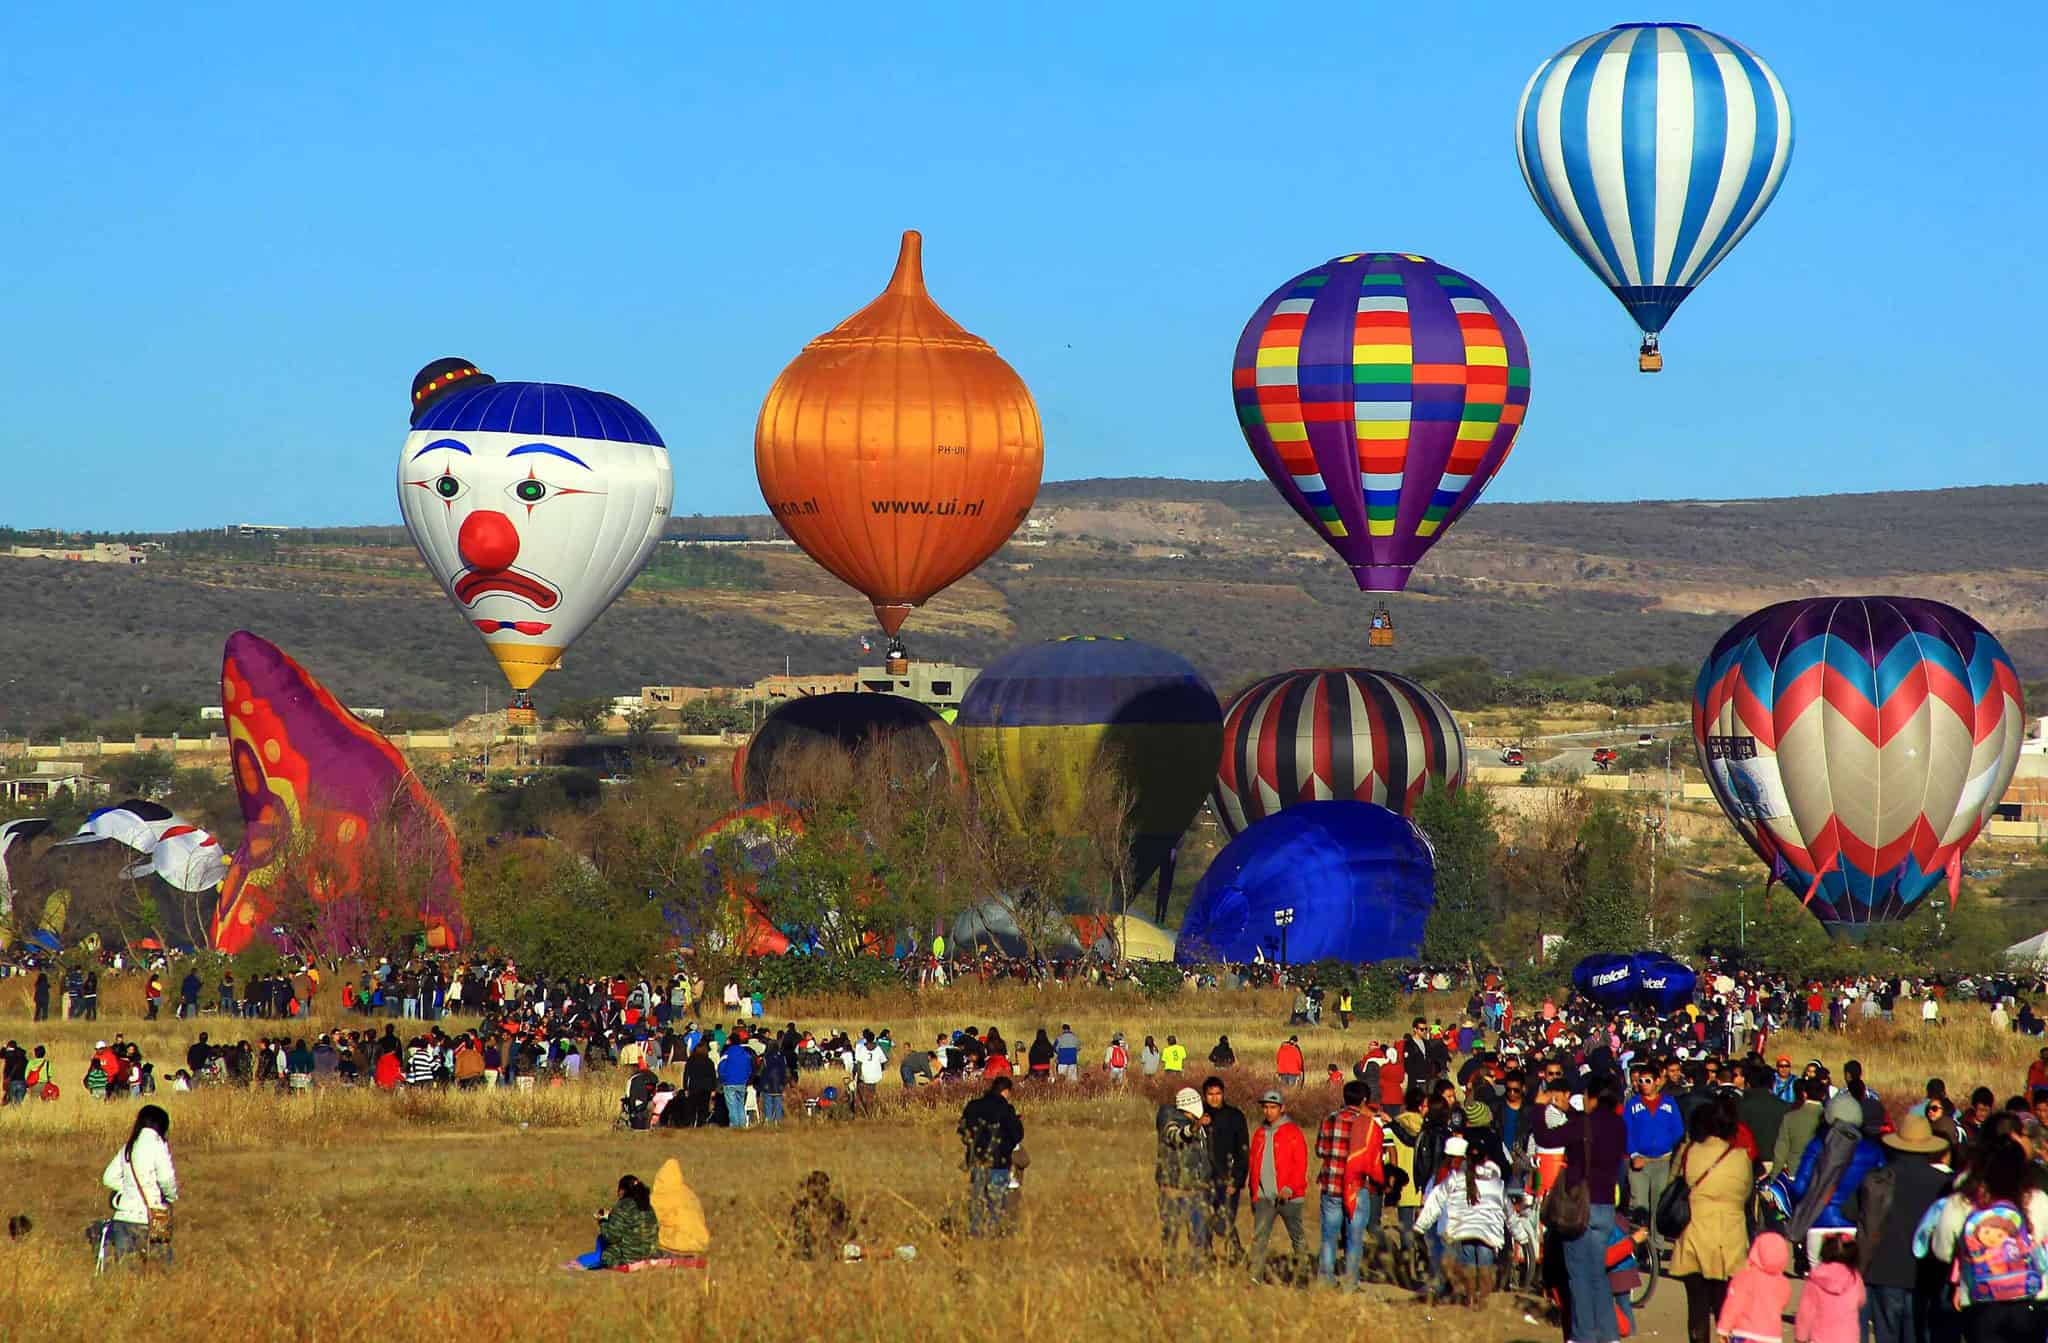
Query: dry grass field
{"points": [[351, 1214]]}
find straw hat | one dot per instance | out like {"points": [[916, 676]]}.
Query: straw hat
{"points": [[1915, 1134]]}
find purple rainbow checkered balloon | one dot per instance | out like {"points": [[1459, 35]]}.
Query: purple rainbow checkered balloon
{"points": [[1380, 393]]}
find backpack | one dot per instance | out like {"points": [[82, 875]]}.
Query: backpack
{"points": [[1997, 1259], [1117, 1057]]}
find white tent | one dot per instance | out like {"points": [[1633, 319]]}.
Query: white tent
{"points": [[2033, 951]]}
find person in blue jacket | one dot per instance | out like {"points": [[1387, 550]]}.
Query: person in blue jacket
{"points": [[1833, 1165], [735, 1071]]}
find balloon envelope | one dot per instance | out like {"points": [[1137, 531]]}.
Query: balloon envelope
{"points": [[331, 811], [1858, 744], [1063, 710], [1360, 882], [1380, 392], [915, 737], [897, 449], [754, 831], [1652, 148], [1343, 732], [533, 503]]}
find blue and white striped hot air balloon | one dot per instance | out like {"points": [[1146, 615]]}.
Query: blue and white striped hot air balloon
{"points": [[1652, 148]]}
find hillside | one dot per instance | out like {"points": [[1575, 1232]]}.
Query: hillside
{"points": [[1219, 571]]}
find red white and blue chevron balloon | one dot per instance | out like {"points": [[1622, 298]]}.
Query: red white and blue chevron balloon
{"points": [[1859, 744]]}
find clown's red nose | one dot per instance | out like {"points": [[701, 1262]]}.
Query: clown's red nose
{"points": [[488, 541]]}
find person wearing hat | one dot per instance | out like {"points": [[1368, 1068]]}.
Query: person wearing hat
{"points": [[1183, 1171], [1278, 1178], [1886, 1209]]}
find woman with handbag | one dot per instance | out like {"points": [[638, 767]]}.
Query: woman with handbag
{"points": [[144, 1185], [1709, 1193]]}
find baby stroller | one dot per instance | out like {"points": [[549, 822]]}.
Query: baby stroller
{"points": [[637, 1105]]}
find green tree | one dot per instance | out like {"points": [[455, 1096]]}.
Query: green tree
{"points": [[1607, 912], [1460, 826], [588, 713], [145, 774]]}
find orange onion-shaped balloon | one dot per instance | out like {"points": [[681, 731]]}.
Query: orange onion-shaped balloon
{"points": [[897, 449]]}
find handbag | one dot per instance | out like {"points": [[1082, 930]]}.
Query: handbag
{"points": [[1674, 1206], [159, 1227], [1568, 1208]]}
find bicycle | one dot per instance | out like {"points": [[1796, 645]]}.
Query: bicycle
{"points": [[1652, 1254]]}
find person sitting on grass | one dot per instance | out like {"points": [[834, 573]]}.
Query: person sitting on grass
{"points": [[628, 1232], [819, 1223]]}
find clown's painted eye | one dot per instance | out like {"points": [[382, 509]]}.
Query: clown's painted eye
{"points": [[448, 487], [530, 491]]}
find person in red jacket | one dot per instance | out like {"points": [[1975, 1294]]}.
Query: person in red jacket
{"points": [[1288, 1063], [1277, 1173], [1393, 1082]]}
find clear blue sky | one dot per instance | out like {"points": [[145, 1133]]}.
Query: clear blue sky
{"points": [[234, 233]]}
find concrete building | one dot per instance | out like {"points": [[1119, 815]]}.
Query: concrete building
{"points": [[100, 552], [776, 689], [939, 685], [39, 788]]}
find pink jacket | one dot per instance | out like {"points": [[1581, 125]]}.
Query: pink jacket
{"points": [[1757, 1295], [1830, 1307]]}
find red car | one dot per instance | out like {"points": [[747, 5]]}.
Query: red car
{"points": [[1604, 757]]}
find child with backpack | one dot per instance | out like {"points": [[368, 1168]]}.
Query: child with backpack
{"points": [[1994, 1234]]}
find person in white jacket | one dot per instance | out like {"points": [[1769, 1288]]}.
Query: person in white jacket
{"points": [[1467, 1206], [142, 1179]]}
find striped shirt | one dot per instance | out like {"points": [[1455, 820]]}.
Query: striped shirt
{"points": [[419, 1067]]}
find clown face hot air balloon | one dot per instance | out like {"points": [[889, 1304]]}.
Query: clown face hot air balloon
{"points": [[1342, 732], [898, 450], [1859, 744], [1652, 148], [1380, 392], [534, 503], [1060, 712]]}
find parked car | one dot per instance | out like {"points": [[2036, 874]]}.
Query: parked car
{"points": [[1604, 757], [1511, 755], [1647, 739]]}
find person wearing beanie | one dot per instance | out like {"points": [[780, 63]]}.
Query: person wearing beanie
{"points": [[1754, 1310], [1184, 1171]]}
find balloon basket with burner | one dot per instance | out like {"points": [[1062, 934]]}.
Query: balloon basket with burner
{"points": [[896, 662], [1381, 633], [1649, 359], [520, 713]]}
